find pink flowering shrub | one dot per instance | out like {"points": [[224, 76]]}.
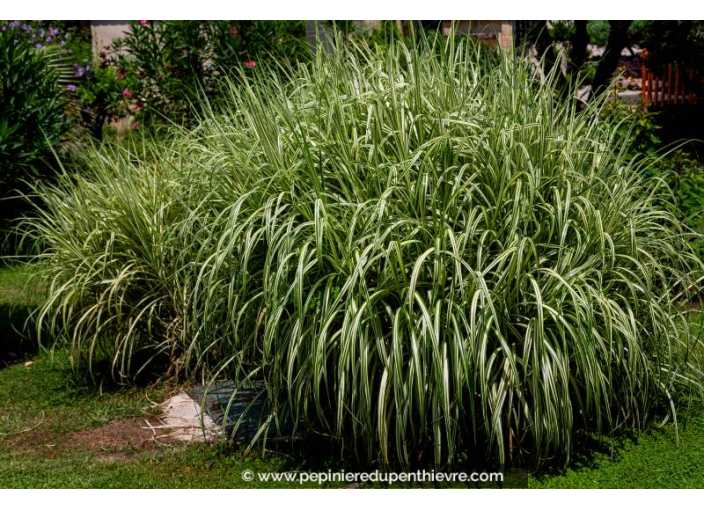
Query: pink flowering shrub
{"points": [[193, 58]]}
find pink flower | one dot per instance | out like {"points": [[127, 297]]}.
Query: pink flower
{"points": [[134, 126], [250, 65], [126, 94], [135, 107], [121, 73], [142, 21]]}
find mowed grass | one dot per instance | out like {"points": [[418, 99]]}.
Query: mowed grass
{"points": [[47, 414], [18, 296], [54, 415], [648, 460], [45, 410]]}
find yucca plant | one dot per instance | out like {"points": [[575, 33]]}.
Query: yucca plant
{"points": [[421, 251]]}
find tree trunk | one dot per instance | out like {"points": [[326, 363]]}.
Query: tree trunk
{"points": [[618, 39], [578, 50]]}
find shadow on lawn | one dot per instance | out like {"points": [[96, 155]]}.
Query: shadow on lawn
{"points": [[17, 339]]}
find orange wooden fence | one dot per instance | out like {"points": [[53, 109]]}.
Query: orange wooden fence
{"points": [[669, 87]]}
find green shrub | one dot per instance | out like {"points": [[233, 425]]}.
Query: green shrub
{"points": [[677, 166], [32, 123], [637, 129], [419, 253], [684, 175], [31, 109], [671, 41], [598, 31]]}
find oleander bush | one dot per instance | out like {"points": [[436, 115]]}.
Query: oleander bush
{"points": [[170, 67], [423, 252]]}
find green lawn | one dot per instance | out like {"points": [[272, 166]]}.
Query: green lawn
{"points": [[650, 460], [56, 431]]}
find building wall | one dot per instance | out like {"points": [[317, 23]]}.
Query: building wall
{"points": [[103, 32], [494, 32]]}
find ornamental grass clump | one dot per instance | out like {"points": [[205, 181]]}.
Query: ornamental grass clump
{"points": [[421, 252]]}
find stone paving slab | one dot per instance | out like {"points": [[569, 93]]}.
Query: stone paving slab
{"points": [[228, 405]]}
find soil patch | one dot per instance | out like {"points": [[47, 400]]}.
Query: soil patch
{"points": [[118, 435]]}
